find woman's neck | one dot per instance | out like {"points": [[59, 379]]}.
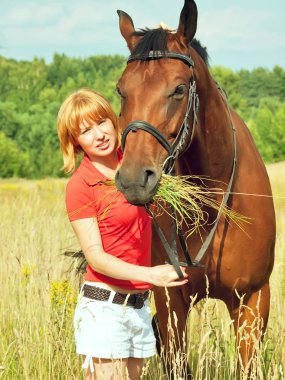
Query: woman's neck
{"points": [[107, 165]]}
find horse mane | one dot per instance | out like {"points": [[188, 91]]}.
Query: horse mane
{"points": [[156, 39]]}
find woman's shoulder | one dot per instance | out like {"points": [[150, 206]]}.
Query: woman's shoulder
{"points": [[74, 188], [75, 180], [75, 177], [79, 198]]}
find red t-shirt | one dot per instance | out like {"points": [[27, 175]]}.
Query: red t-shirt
{"points": [[125, 229]]}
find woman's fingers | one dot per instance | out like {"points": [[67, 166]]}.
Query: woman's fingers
{"points": [[183, 270], [166, 275], [177, 283], [176, 280]]}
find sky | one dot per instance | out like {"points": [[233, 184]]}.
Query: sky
{"points": [[238, 33]]}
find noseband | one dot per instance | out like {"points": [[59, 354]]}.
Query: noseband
{"points": [[182, 140]]}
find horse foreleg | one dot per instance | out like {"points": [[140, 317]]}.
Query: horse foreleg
{"points": [[250, 322], [172, 311]]}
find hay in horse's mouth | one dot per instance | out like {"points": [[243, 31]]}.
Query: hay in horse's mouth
{"points": [[181, 198], [192, 202]]}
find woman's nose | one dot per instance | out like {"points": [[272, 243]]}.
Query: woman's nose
{"points": [[98, 134]]}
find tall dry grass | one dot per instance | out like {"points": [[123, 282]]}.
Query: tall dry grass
{"points": [[38, 294]]}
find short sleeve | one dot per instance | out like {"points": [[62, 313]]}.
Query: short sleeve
{"points": [[79, 199]]}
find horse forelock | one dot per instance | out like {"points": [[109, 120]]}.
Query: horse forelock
{"points": [[156, 40], [152, 40]]}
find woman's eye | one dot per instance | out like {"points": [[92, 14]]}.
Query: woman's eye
{"points": [[85, 131], [101, 123]]}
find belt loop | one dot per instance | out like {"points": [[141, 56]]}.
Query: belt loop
{"points": [[111, 297], [127, 298], [81, 288], [88, 363]]}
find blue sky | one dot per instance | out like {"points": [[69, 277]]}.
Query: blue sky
{"points": [[238, 34]]}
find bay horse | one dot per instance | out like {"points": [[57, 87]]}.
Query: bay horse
{"points": [[166, 75]]}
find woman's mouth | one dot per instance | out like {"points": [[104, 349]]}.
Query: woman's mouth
{"points": [[103, 145]]}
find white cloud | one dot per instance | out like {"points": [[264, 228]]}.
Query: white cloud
{"points": [[238, 29], [32, 14], [53, 23], [91, 26], [87, 23]]}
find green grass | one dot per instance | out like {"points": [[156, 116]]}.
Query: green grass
{"points": [[38, 295]]}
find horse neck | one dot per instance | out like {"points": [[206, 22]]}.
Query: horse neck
{"points": [[211, 153]]}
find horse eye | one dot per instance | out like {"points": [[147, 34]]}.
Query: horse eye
{"points": [[172, 136], [179, 91]]}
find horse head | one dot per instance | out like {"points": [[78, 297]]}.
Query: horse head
{"points": [[158, 102]]}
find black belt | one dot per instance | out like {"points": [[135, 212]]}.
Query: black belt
{"points": [[99, 294]]}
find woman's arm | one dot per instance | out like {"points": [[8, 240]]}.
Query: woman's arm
{"points": [[88, 234]]}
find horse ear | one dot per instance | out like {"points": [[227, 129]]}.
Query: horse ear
{"points": [[188, 22], [127, 29]]}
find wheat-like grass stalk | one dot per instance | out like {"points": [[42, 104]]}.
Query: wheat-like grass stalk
{"points": [[188, 201], [36, 344]]}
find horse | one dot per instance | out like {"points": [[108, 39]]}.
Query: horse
{"points": [[166, 76]]}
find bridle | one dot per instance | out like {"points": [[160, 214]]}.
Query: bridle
{"points": [[181, 143]]}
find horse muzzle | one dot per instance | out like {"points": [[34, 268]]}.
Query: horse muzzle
{"points": [[140, 188]]}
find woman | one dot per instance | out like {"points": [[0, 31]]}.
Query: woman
{"points": [[112, 319]]}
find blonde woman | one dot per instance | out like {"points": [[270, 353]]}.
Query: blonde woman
{"points": [[112, 319]]}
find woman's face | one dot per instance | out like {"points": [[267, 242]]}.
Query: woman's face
{"points": [[98, 139]]}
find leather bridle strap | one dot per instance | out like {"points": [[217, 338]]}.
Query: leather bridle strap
{"points": [[157, 54], [209, 238], [136, 125], [171, 251]]}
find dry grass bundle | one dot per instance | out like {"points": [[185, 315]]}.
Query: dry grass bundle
{"points": [[189, 202]]}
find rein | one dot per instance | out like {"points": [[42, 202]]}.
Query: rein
{"points": [[181, 143]]}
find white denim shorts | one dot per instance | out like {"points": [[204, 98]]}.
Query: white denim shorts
{"points": [[111, 331]]}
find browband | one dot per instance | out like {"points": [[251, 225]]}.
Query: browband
{"points": [[157, 54]]}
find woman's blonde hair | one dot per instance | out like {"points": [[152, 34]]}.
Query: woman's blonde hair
{"points": [[83, 106]]}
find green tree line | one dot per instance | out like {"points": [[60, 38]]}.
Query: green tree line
{"points": [[31, 93]]}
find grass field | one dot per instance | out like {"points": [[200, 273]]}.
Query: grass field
{"points": [[38, 294]]}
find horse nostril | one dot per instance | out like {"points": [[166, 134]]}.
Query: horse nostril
{"points": [[149, 175]]}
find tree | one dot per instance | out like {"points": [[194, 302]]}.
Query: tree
{"points": [[32, 92], [13, 162]]}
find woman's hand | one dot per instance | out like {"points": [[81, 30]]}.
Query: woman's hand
{"points": [[166, 275]]}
